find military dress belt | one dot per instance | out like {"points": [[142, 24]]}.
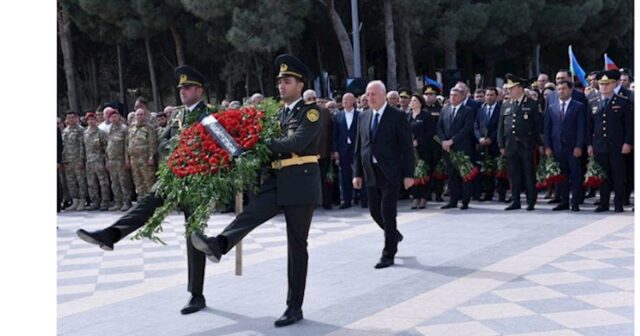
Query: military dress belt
{"points": [[296, 160]]}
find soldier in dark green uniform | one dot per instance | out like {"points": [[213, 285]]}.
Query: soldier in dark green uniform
{"points": [[518, 138], [191, 84], [292, 185], [434, 154]]}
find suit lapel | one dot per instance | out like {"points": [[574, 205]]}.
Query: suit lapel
{"points": [[294, 110]]}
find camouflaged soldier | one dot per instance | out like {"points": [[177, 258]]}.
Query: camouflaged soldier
{"points": [[73, 158], [95, 144], [116, 166], [141, 144]]}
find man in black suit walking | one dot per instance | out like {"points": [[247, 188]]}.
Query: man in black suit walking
{"points": [[384, 156], [455, 129]]}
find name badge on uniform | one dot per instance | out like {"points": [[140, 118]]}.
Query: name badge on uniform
{"points": [[507, 110]]}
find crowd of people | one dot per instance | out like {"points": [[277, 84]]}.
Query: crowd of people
{"points": [[106, 160]]}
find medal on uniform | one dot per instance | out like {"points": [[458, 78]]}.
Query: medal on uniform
{"points": [[221, 135], [594, 110], [526, 116]]}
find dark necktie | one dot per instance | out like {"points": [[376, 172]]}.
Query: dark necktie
{"points": [[562, 111], [453, 116], [488, 113], [286, 112], [374, 127]]}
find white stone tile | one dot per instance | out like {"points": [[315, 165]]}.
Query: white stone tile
{"points": [[78, 274], [274, 239], [457, 329], [122, 263], [528, 294], [624, 283], [603, 254], [163, 253], [76, 289], [80, 261], [165, 266], [586, 318], [119, 277], [581, 265], [565, 332], [495, 311], [608, 300], [618, 244], [560, 278]]}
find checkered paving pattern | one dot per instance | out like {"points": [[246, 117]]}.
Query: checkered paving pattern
{"points": [[85, 269], [587, 292]]}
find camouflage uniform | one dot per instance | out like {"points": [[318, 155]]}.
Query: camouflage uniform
{"points": [[95, 143], [118, 174], [73, 158], [141, 145]]}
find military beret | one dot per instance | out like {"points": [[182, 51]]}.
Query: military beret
{"points": [[290, 65], [513, 81], [609, 76], [188, 75], [89, 115], [404, 93], [431, 89]]}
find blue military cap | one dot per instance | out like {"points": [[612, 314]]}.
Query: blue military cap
{"points": [[188, 75]]}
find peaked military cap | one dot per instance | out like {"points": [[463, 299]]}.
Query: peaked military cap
{"points": [[404, 93], [609, 76], [290, 65], [431, 89], [188, 75], [513, 81]]}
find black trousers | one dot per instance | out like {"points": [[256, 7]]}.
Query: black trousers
{"points": [[383, 207], [326, 189], [613, 163], [629, 178], [520, 167], [570, 167], [298, 217], [138, 215], [458, 189]]}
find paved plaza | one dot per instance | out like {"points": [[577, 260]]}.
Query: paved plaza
{"points": [[478, 272]]}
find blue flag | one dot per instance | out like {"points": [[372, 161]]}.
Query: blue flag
{"points": [[576, 69], [428, 80]]}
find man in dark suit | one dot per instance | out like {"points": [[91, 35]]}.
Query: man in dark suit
{"points": [[455, 130], [518, 137], [292, 185], [475, 106], [433, 107], [564, 129], [623, 91], [344, 141], [384, 157], [191, 85], [486, 132], [610, 136]]}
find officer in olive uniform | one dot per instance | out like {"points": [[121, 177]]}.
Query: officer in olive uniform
{"points": [[518, 138], [610, 136], [191, 85], [292, 185], [433, 108]]}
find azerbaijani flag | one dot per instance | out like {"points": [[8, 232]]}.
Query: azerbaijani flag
{"points": [[576, 69], [608, 63], [428, 80]]}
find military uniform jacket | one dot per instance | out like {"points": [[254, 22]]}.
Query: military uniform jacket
{"points": [[95, 144], [297, 184], [180, 118], [116, 143], [518, 126], [73, 144], [609, 126], [141, 142]]}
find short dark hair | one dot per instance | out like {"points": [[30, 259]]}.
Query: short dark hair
{"points": [[564, 70], [568, 83], [479, 91], [72, 112], [593, 73], [143, 101], [492, 88]]}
